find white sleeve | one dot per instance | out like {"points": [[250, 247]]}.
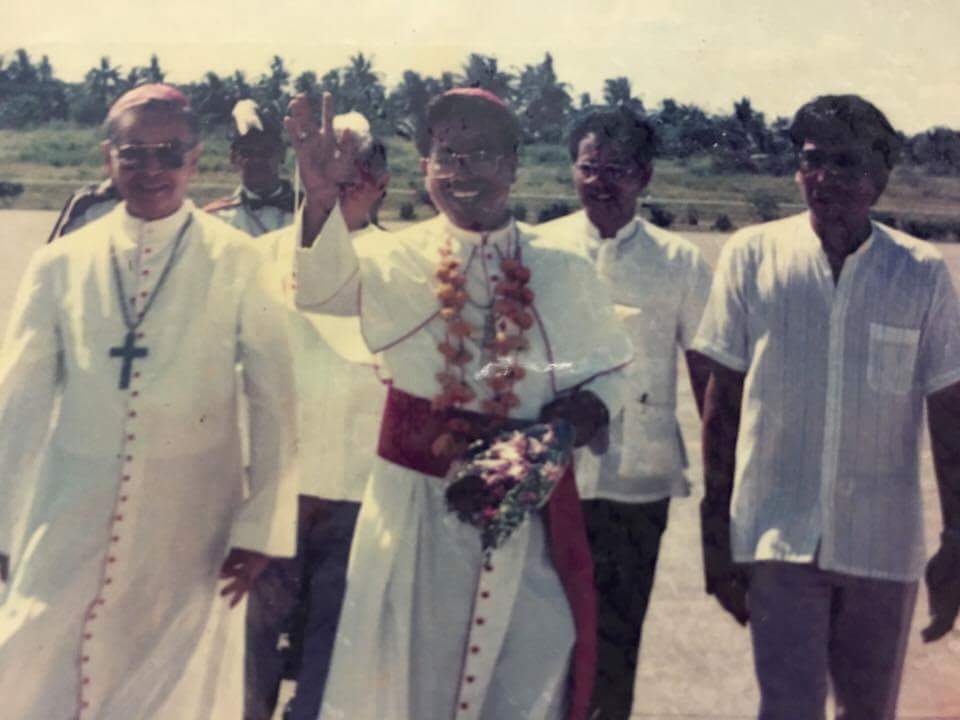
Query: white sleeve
{"points": [[694, 301], [30, 379], [267, 522], [327, 273], [723, 332]]}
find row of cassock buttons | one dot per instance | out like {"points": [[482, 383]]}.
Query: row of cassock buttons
{"points": [[118, 517]]}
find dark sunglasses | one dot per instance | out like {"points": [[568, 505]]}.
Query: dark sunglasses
{"points": [[169, 155]]}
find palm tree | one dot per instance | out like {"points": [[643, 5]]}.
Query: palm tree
{"points": [[483, 71]]}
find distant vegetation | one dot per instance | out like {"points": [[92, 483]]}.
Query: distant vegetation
{"points": [[713, 170]]}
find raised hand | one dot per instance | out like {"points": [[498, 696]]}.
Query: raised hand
{"points": [[325, 160]]}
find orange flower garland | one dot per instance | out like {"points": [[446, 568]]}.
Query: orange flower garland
{"points": [[510, 308]]}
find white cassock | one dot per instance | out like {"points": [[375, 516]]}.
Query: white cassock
{"points": [[424, 632], [120, 504], [340, 393]]}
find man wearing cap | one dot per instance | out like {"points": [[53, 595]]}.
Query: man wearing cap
{"points": [[660, 284], [264, 201], [830, 332], [123, 483], [295, 604], [430, 628]]}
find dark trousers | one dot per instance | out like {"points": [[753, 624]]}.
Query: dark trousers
{"points": [[809, 624], [625, 542], [293, 610]]}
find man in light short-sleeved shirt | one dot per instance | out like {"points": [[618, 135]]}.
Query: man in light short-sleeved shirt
{"points": [[830, 331], [660, 283]]}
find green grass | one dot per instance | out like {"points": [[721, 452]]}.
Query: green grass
{"points": [[53, 160]]}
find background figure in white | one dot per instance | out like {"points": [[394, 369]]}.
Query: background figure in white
{"points": [[660, 284], [123, 483], [428, 630], [296, 603], [264, 202]]}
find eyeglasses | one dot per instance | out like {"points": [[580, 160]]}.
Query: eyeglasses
{"points": [[478, 162], [169, 155], [607, 172], [845, 162]]}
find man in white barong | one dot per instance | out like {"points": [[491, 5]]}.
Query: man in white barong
{"points": [[429, 630], [123, 483], [294, 605], [660, 284]]}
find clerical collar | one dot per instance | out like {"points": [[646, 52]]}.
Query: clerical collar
{"points": [[501, 237], [622, 234], [136, 230]]}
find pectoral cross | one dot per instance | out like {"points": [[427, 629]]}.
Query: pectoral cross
{"points": [[129, 352]]}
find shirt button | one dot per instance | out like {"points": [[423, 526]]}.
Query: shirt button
{"points": [[144, 294], [132, 413], [148, 250], [112, 559], [475, 649], [85, 659], [124, 498], [484, 594], [137, 374], [470, 678], [140, 336], [464, 706], [129, 458], [145, 272], [135, 393], [88, 636], [131, 437], [480, 621], [115, 538]]}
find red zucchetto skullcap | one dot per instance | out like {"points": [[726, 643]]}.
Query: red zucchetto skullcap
{"points": [[476, 92], [142, 94]]}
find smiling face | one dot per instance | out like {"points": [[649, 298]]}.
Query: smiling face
{"points": [[152, 184], [469, 173], [609, 180]]}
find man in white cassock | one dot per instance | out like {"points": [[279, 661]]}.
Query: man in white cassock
{"points": [[123, 483], [294, 605], [428, 629]]}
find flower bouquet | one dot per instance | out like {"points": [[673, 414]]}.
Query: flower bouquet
{"points": [[504, 479]]}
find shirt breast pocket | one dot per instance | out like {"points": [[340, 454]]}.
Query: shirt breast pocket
{"points": [[892, 360]]}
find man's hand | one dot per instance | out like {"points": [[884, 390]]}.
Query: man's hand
{"points": [[943, 589], [585, 412], [725, 580], [4, 567], [241, 568], [325, 161]]}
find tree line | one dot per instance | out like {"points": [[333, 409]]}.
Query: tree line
{"points": [[741, 141]]}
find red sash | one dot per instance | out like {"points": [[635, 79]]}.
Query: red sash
{"points": [[407, 432]]}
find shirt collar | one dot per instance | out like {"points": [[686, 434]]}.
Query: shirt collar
{"points": [[502, 238], [593, 234], [134, 231]]}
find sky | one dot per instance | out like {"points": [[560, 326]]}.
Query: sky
{"points": [[903, 56]]}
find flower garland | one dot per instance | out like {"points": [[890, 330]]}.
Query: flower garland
{"points": [[511, 319]]}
